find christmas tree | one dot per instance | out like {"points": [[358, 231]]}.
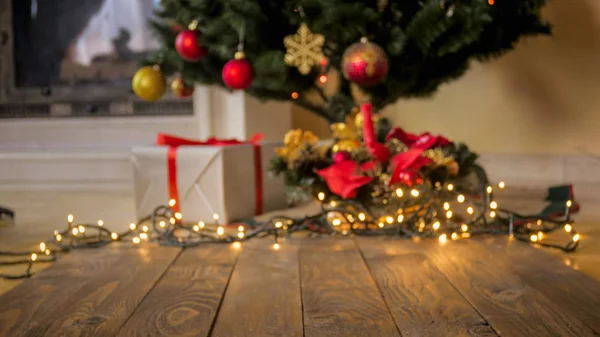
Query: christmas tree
{"points": [[425, 43]]}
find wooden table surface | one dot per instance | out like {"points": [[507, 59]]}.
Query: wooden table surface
{"points": [[334, 286]]}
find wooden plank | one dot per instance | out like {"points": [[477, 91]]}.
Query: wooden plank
{"points": [[420, 298], [186, 299], [339, 295], [88, 293], [571, 290], [504, 300], [263, 296]]}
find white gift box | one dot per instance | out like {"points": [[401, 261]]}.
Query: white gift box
{"points": [[210, 180]]}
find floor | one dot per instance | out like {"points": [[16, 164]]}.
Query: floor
{"points": [[334, 286]]}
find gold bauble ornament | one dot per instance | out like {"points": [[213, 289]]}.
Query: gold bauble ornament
{"points": [[149, 83], [347, 145], [181, 89], [358, 121]]}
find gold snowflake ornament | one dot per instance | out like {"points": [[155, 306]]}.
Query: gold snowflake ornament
{"points": [[303, 49]]}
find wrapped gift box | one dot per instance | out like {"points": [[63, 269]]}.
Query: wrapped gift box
{"points": [[209, 180]]}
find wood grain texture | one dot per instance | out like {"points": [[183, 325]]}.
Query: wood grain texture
{"points": [[508, 304], [186, 299], [263, 296], [420, 298], [90, 293], [571, 290], [339, 295]]}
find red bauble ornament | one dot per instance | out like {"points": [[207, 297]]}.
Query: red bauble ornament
{"points": [[237, 73], [181, 89], [365, 63], [188, 46], [341, 156]]}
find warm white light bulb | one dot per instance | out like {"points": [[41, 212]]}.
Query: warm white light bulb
{"points": [[399, 193], [132, 226], [436, 225], [220, 230], [201, 224], [493, 205], [470, 210], [81, 229], [196, 228], [492, 214], [33, 257], [450, 187], [145, 228], [454, 236], [240, 228], [100, 223], [446, 206], [443, 238], [279, 224], [75, 231], [321, 196], [237, 245], [400, 218], [42, 246], [178, 216], [241, 235], [448, 214], [489, 189], [460, 198], [215, 216], [568, 228], [114, 236], [136, 240], [533, 238], [380, 225], [576, 237], [276, 246], [70, 218], [501, 184], [47, 252], [569, 203], [540, 235], [389, 219], [464, 227], [58, 238], [361, 216], [162, 224], [172, 202], [414, 193], [143, 236]]}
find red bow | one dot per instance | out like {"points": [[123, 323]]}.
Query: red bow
{"points": [[173, 142], [423, 141]]}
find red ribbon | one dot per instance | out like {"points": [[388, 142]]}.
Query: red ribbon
{"points": [[174, 142]]}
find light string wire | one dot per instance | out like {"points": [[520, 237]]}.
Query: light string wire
{"points": [[420, 212]]}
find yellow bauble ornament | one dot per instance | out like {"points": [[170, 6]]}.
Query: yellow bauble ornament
{"points": [[149, 83], [347, 145]]}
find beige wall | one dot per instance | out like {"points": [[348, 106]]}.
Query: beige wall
{"points": [[543, 98]]}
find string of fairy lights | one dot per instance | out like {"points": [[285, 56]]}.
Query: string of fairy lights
{"points": [[445, 212]]}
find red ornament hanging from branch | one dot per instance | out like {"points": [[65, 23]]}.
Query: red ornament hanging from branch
{"points": [[188, 44], [238, 74], [365, 63]]}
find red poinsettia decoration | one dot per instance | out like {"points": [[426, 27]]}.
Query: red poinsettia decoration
{"points": [[405, 167], [423, 141], [344, 178]]}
